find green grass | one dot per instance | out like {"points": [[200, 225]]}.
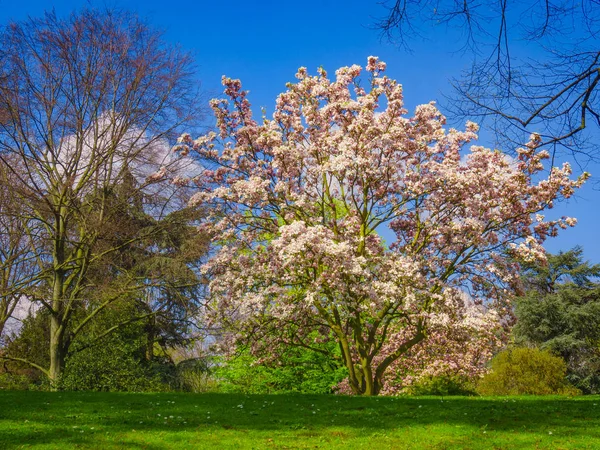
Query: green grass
{"points": [[198, 421]]}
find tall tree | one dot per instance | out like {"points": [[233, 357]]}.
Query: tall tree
{"points": [[561, 312], [91, 100], [297, 205], [536, 64]]}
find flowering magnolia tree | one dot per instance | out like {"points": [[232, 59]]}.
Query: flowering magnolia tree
{"points": [[299, 204]]}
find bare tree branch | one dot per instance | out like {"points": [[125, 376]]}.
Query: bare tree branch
{"points": [[553, 93]]}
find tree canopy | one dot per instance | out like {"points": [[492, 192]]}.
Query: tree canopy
{"points": [[298, 203]]}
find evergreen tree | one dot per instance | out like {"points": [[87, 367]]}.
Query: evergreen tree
{"points": [[560, 311]]}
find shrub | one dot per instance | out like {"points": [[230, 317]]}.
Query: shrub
{"points": [[196, 375], [241, 374], [297, 370], [196, 381], [15, 382], [118, 364], [443, 385], [526, 371]]}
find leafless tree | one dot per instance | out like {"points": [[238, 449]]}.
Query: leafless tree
{"points": [[536, 64], [90, 103], [19, 259]]}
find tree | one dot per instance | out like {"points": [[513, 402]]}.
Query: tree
{"points": [[297, 206], [30, 344], [151, 269], [116, 362], [560, 312], [535, 63], [128, 343], [18, 260], [90, 102]]}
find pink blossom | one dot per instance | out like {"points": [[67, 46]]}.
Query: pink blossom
{"points": [[296, 204], [157, 176]]}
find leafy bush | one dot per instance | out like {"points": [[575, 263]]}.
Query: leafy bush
{"points": [[241, 374], [15, 382], [443, 385], [297, 370], [526, 371], [117, 363], [190, 380], [196, 375]]}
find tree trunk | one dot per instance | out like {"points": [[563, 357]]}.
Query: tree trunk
{"points": [[57, 322], [369, 382], [361, 380], [57, 352], [365, 380]]}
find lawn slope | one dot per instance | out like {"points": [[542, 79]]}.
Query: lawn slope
{"points": [[65, 420]]}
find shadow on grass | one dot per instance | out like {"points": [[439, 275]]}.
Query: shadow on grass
{"points": [[82, 419]]}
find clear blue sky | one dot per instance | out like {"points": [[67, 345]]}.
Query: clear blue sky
{"points": [[264, 42]]}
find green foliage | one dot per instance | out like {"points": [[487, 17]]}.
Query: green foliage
{"points": [[32, 340], [117, 363], [526, 371], [196, 375], [298, 370], [443, 385], [190, 379], [123, 360], [241, 374], [560, 311], [15, 382], [31, 343]]}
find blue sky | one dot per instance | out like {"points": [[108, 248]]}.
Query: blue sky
{"points": [[264, 42]]}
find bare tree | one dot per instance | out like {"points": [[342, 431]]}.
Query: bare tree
{"points": [[90, 102], [536, 64], [18, 257]]}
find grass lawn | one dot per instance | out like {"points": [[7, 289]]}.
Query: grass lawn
{"points": [[223, 421]]}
